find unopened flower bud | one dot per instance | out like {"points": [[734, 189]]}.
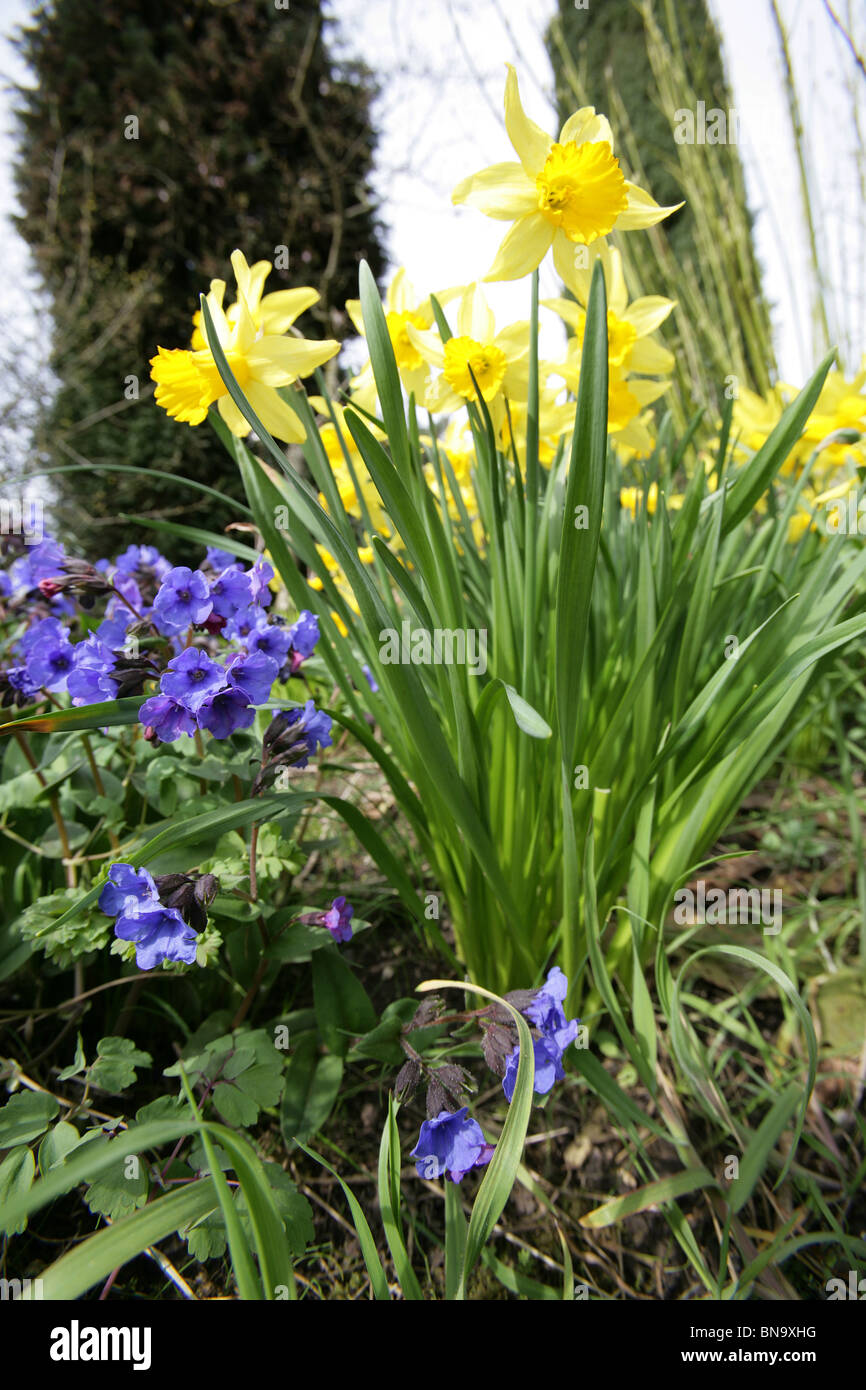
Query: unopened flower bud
{"points": [[407, 1079]]}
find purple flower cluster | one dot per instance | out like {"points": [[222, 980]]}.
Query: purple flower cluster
{"points": [[183, 601], [40, 584], [450, 1143], [47, 658], [160, 933], [547, 1014], [196, 692], [148, 597], [144, 560], [303, 636], [305, 729]]}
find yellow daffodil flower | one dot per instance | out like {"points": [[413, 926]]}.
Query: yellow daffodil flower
{"points": [[755, 417], [627, 397], [403, 306], [841, 406], [629, 326], [563, 193], [835, 503], [188, 383], [498, 361], [631, 499], [272, 314]]}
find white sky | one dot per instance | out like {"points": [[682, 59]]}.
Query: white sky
{"points": [[441, 64], [19, 283]]}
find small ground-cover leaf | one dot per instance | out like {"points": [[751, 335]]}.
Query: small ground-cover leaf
{"points": [[25, 1116]]}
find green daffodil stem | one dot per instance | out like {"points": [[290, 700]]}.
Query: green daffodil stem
{"points": [[531, 498]]}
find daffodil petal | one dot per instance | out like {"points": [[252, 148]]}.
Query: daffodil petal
{"points": [[428, 343], [475, 317], [401, 296], [250, 279], [634, 436], [445, 297], [647, 391], [570, 312], [232, 417], [278, 361], [415, 382], [514, 340], [220, 322], [516, 382], [243, 333], [646, 314], [574, 264], [440, 398], [353, 309], [522, 249], [647, 356], [277, 417], [840, 490], [198, 340], [585, 126], [279, 310], [617, 293], [529, 140], [502, 191], [642, 210]]}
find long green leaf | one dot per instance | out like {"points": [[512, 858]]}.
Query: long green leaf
{"points": [[107, 715], [585, 489], [94, 1258], [655, 1194], [389, 1205], [249, 1285], [761, 1145], [378, 1278]]}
